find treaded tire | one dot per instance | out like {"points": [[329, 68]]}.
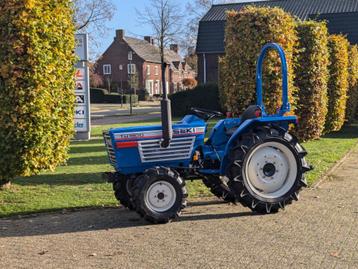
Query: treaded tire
{"points": [[144, 182], [239, 154], [121, 187], [219, 188]]}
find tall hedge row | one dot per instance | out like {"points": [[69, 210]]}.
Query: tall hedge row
{"points": [[338, 82], [36, 85], [202, 96], [352, 102], [311, 69], [247, 31]]}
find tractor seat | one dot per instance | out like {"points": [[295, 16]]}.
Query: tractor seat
{"points": [[251, 112]]}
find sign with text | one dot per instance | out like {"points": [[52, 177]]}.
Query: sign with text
{"points": [[82, 109], [80, 112]]}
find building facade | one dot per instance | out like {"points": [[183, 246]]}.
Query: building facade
{"points": [[135, 63], [341, 17]]}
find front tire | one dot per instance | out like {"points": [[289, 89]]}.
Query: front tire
{"points": [[267, 169], [159, 195]]}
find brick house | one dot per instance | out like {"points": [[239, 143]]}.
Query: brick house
{"points": [[132, 59], [341, 17]]}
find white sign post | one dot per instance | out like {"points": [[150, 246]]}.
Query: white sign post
{"points": [[82, 108]]}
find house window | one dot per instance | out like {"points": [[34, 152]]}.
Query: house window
{"points": [[130, 55], [107, 69], [148, 70], [131, 69], [156, 70], [149, 86], [120, 67]]}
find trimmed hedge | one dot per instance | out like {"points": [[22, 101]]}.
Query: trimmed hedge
{"points": [[247, 31], [352, 102], [202, 96], [338, 82], [311, 69], [101, 96], [37, 44]]}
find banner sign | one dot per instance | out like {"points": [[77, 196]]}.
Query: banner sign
{"points": [[82, 109]]}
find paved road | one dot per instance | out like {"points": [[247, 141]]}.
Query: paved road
{"points": [[319, 231], [113, 113]]}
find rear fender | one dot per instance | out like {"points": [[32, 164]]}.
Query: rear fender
{"points": [[246, 126]]}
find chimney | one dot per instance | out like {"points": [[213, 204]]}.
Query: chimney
{"points": [[149, 39], [174, 47], [119, 34]]}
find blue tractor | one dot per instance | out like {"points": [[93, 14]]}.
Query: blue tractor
{"points": [[253, 159]]}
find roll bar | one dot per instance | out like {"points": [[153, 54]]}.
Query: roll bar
{"points": [[286, 107]]}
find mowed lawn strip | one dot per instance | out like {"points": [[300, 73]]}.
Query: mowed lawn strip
{"points": [[80, 185]]}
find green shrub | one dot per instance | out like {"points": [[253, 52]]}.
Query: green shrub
{"points": [[338, 82], [102, 96], [247, 31], [202, 96], [311, 78], [143, 95], [352, 102], [97, 95], [37, 85]]}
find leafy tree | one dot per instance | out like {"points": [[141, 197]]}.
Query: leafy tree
{"points": [[352, 102], [247, 31], [37, 85], [311, 78], [338, 82]]}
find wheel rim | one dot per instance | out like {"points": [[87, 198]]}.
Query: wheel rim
{"points": [[160, 196], [270, 170]]}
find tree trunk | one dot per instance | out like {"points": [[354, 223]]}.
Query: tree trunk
{"points": [[5, 184]]}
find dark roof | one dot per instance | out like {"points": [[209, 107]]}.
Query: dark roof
{"points": [[149, 52], [212, 25], [300, 8]]}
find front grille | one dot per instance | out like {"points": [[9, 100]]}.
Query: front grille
{"points": [[179, 149], [110, 150]]}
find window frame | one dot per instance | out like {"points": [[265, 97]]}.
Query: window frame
{"points": [[131, 70], [107, 69]]}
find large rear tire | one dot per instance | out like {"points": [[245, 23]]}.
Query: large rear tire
{"points": [[122, 186], [159, 195], [219, 188], [266, 169]]}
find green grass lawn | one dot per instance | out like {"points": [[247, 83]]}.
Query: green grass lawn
{"points": [[79, 184]]}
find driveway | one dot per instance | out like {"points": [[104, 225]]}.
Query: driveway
{"points": [[319, 231]]}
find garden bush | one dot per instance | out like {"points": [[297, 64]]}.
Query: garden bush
{"points": [[102, 96], [247, 31], [97, 95], [37, 99], [338, 82], [352, 102], [202, 96], [311, 78]]}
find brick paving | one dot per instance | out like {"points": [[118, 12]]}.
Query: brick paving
{"points": [[319, 231]]}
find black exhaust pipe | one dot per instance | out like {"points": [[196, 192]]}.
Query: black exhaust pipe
{"points": [[166, 113]]}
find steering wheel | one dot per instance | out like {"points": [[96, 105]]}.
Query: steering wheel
{"points": [[205, 114]]}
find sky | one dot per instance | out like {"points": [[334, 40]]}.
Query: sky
{"points": [[125, 18]]}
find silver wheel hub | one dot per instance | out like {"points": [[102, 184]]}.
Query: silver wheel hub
{"points": [[270, 170], [160, 197]]}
